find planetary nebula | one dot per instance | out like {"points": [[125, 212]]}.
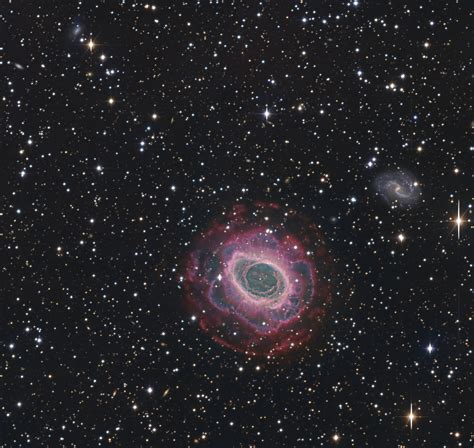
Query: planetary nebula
{"points": [[258, 279]]}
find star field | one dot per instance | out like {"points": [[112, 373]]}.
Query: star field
{"points": [[128, 127]]}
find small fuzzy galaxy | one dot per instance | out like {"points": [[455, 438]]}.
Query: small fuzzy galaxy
{"points": [[259, 280], [398, 188], [236, 224]]}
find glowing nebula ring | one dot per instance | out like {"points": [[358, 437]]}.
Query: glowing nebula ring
{"points": [[258, 280]]}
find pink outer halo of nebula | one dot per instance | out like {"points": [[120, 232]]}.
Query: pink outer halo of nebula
{"points": [[258, 279]]}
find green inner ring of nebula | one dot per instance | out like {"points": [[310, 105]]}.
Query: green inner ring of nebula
{"points": [[260, 279]]}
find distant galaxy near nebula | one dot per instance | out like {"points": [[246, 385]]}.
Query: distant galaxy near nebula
{"points": [[259, 280], [236, 224], [398, 188]]}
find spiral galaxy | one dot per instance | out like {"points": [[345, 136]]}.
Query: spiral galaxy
{"points": [[258, 279], [398, 188]]}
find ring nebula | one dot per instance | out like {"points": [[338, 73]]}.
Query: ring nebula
{"points": [[258, 280]]}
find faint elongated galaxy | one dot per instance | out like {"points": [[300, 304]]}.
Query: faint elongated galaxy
{"points": [[259, 279]]}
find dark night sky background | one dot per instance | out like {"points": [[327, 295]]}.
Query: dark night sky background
{"points": [[116, 156]]}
